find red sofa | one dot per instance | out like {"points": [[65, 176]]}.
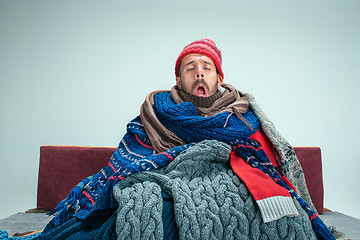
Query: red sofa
{"points": [[63, 167]]}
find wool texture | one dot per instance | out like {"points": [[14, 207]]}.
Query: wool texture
{"points": [[139, 213], [94, 195], [210, 201], [162, 139], [183, 120], [171, 231]]}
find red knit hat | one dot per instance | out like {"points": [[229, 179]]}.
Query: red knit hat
{"points": [[206, 47]]}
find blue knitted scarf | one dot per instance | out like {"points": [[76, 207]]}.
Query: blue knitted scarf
{"points": [[134, 154], [183, 120]]}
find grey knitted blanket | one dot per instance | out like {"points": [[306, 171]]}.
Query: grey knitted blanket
{"points": [[210, 201]]}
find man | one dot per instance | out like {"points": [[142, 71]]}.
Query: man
{"points": [[205, 165]]}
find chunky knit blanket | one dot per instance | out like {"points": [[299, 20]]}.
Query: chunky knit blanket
{"points": [[210, 201]]}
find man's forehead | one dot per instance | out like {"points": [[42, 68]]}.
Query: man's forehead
{"points": [[188, 59]]}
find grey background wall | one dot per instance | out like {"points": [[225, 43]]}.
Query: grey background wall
{"points": [[75, 72]]}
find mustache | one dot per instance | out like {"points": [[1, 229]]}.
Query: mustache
{"points": [[197, 82]]}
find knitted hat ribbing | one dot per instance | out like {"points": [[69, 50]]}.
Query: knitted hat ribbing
{"points": [[206, 47]]}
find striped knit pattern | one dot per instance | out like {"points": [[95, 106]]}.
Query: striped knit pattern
{"points": [[206, 47]]}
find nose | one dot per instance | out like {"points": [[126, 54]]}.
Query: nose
{"points": [[199, 74]]}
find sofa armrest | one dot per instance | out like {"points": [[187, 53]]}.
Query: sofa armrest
{"points": [[61, 168], [310, 160]]}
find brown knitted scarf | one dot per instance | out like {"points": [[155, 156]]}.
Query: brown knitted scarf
{"points": [[163, 139]]}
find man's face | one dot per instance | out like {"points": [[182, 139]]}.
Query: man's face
{"points": [[198, 75]]}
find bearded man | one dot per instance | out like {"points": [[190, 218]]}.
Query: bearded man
{"points": [[202, 161]]}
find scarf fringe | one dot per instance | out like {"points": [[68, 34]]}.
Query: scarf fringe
{"points": [[70, 205], [320, 229]]}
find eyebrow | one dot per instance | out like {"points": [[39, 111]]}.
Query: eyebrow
{"points": [[190, 62], [207, 62]]}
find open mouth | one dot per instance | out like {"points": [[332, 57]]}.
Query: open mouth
{"points": [[200, 91]]}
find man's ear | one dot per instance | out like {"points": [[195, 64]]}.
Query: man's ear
{"points": [[178, 82], [220, 80]]}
